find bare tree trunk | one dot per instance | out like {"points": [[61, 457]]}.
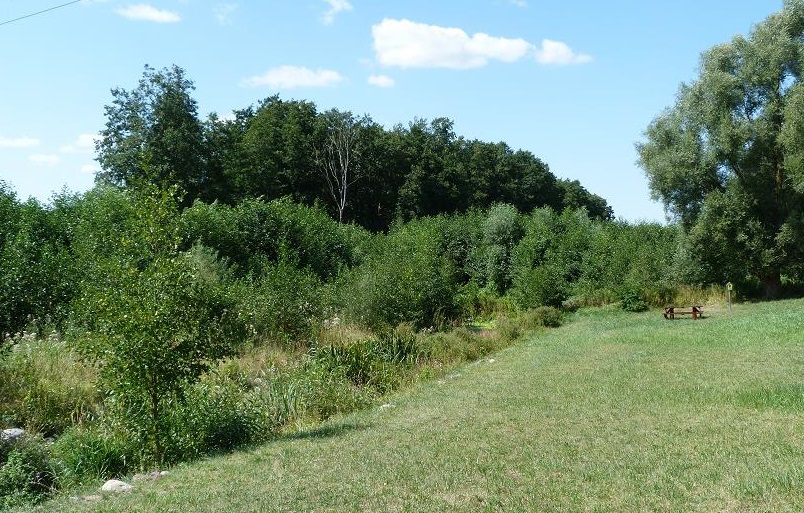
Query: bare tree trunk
{"points": [[338, 159]]}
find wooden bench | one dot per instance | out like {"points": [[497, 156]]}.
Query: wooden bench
{"points": [[696, 312]]}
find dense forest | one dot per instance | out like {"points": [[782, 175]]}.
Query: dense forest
{"points": [[230, 279], [360, 171]]}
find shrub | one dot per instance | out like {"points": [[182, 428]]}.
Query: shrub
{"points": [[540, 286], [407, 279], [26, 474], [632, 301], [502, 230], [379, 363], [283, 304], [325, 391], [257, 231], [458, 345]]}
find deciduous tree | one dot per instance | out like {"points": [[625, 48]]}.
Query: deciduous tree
{"points": [[726, 158]]}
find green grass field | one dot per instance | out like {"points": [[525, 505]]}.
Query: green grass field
{"points": [[612, 412]]}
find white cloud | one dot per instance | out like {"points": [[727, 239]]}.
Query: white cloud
{"points": [[146, 12], [18, 142], [45, 160], [519, 3], [289, 77], [556, 52], [84, 143], [90, 169], [381, 81], [335, 8], [223, 13], [406, 44]]}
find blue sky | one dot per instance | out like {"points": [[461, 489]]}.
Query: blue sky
{"points": [[575, 82]]}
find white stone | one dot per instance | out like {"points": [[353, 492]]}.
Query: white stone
{"points": [[113, 485], [9, 435]]}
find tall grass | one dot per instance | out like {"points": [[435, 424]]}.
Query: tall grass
{"points": [[44, 387]]}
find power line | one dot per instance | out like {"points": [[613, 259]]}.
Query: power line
{"points": [[38, 13]]}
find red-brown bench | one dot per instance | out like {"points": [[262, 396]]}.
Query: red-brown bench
{"points": [[696, 312]]}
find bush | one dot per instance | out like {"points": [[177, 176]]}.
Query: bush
{"points": [[407, 279], [458, 345], [257, 231], [283, 304], [26, 474], [325, 391], [540, 286], [632, 301], [502, 230]]}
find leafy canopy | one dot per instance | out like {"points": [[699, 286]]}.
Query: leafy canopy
{"points": [[728, 158]]}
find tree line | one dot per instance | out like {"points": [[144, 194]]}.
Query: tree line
{"points": [[362, 172]]}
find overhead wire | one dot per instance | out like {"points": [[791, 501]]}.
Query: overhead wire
{"points": [[39, 12]]}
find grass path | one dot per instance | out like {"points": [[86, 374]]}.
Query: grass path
{"points": [[613, 412]]}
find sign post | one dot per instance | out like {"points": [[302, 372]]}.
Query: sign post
{"points": [[729, 287]]}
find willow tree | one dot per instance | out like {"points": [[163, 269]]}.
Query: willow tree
{"points": [[727, 159]]}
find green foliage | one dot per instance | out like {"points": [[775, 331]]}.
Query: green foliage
{"points": [[378, 363], [43, 387], [407, 279], [153, 136], [644, 258], [632, 301], [154, 322], [256, 232], [89, 454], [547, 260], [501, 232], [514, 326], [26, 475], [282, 305], [325, 393], [725, 159], [37, 278]]}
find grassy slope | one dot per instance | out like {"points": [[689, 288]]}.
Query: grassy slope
{"points": [[614, 412]]}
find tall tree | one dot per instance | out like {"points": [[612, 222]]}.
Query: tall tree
{"points": [[153, 135], [277, 152], [726, 158]]}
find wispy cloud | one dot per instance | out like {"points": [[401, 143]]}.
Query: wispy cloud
{"points": [[335, 7], [84, 143], [519, 3], [44, 160], [18, 142], [291, 77], [407, 44], [558, 53], [223, 13], [381, 81], [90, 169], [147, 12]]}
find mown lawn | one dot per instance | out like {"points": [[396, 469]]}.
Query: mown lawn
{"points": [[612, 412]]}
